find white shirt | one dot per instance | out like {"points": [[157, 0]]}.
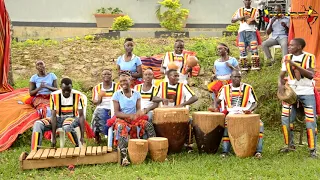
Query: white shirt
{"points": [[146, 96], [106, 102], [304, 86], [66, 102], [236, 99], [183, 78], [243, 24]]}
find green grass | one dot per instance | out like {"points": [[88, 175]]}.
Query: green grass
{"points": [[273, 165]]}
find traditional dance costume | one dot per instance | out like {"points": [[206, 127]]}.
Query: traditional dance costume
{"points": [[146, 98], [181, 61]]}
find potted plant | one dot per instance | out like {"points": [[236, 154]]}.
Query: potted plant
{"points": [[174, 17], [231, 29], [122, 23], [104, 17]]}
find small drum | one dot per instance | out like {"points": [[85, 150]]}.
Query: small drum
{"points": [[172, 123], [138, 150], [208, 128], [158, 147], [289, 95], [243, 131]]}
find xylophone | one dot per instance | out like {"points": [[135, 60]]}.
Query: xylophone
{"points": [[44, 158]]}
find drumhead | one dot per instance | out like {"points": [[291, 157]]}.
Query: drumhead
{"points": [[158, 139], [209, 113], [242, 115], [138, 140], [170, 109]]}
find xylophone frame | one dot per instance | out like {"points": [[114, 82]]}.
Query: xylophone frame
{"points": [[45, 158]]}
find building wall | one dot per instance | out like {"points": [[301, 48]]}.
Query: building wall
{"points": [[141, 11]]}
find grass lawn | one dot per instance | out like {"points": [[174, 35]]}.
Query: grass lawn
{"points": [[273, 165]]}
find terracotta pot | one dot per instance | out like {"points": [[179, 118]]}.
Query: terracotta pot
{"points": [[158, 147], [138, 150], [106, 20]]}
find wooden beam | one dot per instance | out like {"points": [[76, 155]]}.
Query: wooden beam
{"points": [[36, 164]]}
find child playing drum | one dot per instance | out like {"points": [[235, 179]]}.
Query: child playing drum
{"points": [[238, 98]]}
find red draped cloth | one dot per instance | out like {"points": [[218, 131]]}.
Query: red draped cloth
{"points": [[4, 48]]}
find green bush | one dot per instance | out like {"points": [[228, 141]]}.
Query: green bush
{"points": [[233, 27], [122, 23], [174, 16], [109, 10]]}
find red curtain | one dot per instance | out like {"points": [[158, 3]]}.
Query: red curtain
{"points": [[4, 48]]}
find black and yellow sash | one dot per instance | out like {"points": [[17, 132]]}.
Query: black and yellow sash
{"points": [[252, 12], [107, 93], [183, 59], [244, 93], [72, 110], [302, 64], [174, 91], [145, 95]]}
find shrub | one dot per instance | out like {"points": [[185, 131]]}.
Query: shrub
{"points": [[122, 23], [233, 27], [174, 16], [109, 10]]}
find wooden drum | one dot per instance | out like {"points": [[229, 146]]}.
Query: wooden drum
{"points": [[243, 131], [158, 147], [138, 150], [172, 123], [208, 128]]}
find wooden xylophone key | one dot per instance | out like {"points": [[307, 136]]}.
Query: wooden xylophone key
{"points": [[83, 151], [45, 154], [51, 153], [76, 152], [94, 151], [58, 153], [89, 150], [109, 149], [32, 153], [38, 154], [64, 153], [99, 150], [104, 149], [70, 152]]}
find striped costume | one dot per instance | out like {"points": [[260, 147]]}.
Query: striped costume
{"points": [[235, 100], [304, 89], [146, 98], [248, 36], [67, 117], [181, 61]]}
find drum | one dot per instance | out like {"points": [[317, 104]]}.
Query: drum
{"points": [[172, 123], [138, 150], [243, 131], [158, 147], [289, 96], [208, 128]]}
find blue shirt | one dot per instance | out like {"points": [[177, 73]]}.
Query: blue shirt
{"points": [[48, 79], [127, 105], [130, 65], [222, 68], [278, 31]]}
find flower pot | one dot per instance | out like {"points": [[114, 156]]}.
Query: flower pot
{"points": [[229, 33], [105, 20]]}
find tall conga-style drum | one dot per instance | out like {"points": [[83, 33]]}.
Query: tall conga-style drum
{"points": [[208, 128], [172, 123], [158, 148], [138, 150], [243, 131]]}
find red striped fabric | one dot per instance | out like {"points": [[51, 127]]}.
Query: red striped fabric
{"points": [[4, 48]]}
